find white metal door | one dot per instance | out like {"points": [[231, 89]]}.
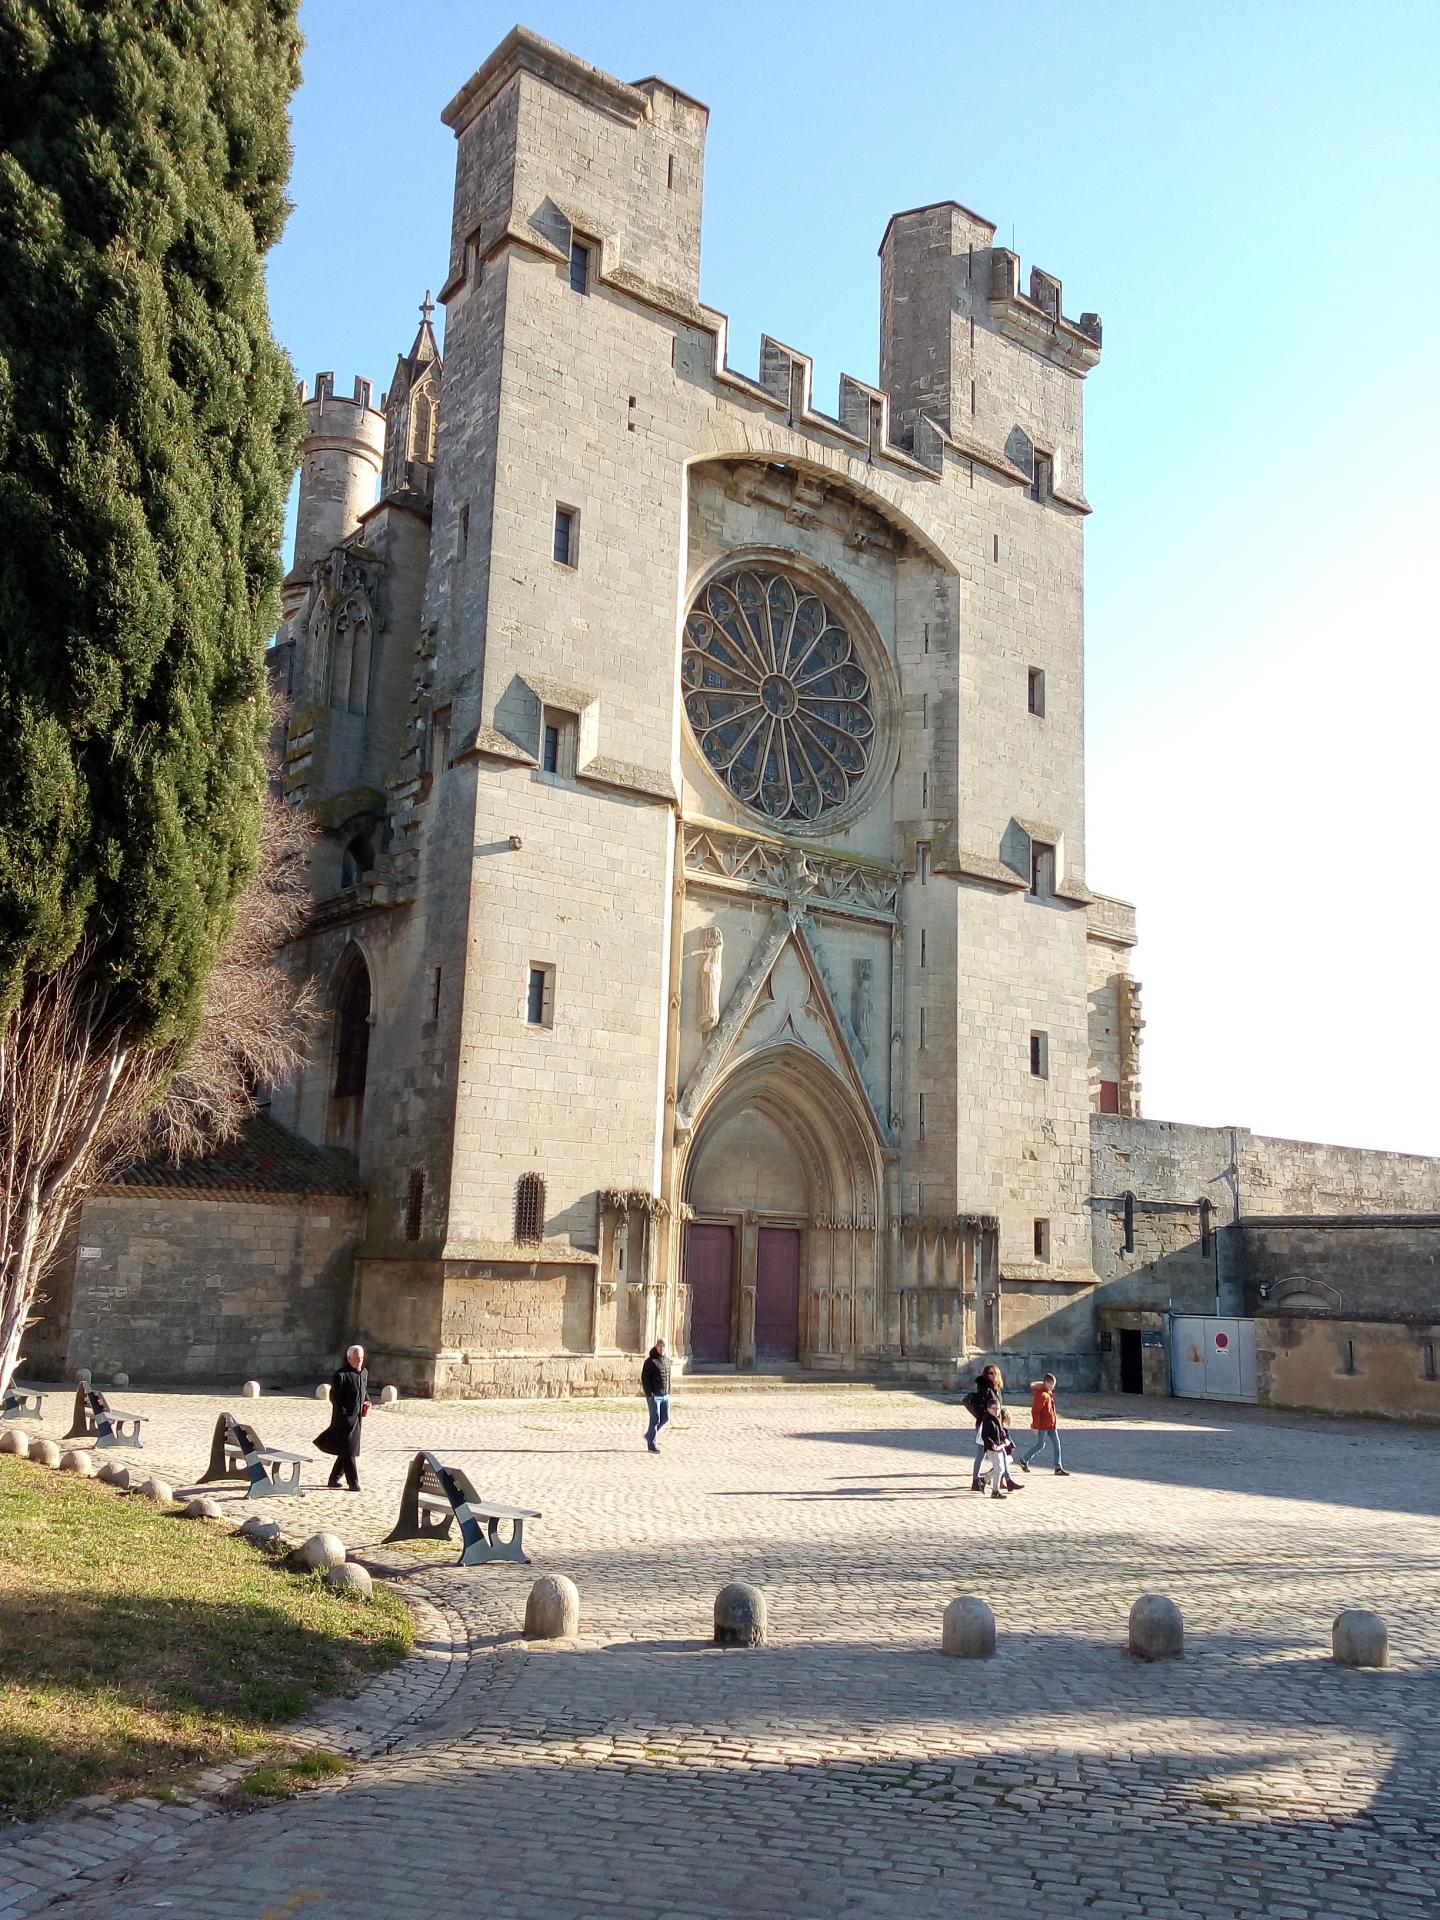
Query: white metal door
{"points": [[1212, 1358]]}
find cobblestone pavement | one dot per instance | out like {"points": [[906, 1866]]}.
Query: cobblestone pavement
{"points": [[849, 1769]]}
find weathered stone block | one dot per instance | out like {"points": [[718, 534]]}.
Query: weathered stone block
{"points": [[350, 1579], [320, 1551], [552, 1611], [740, 1616], [967, 1631], [1157, 1631], [1359, 1639]]}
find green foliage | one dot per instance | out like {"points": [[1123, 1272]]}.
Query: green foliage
{"points": [[147, 436]]}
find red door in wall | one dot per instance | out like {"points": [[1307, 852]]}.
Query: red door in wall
{"points": [[709, 1270], [777, 1294]]}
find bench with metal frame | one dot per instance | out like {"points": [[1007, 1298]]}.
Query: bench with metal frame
{"points": [[22, 1402], [238, 1453], [437, 1495], [95, 1419]]}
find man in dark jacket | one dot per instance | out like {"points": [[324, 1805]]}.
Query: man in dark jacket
{"points": [[655, 1379], [349, 1401]]}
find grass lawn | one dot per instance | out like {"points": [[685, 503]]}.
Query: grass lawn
{"points": [[135, 1644]]}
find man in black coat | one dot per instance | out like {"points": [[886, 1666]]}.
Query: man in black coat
{"points": [[655, 1379], [349, 1400]]}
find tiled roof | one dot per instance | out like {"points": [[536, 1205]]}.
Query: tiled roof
{"points": [[262, 1158]]}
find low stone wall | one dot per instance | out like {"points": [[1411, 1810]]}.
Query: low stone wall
{"points": [[171, 1288], [1329, 1364]]}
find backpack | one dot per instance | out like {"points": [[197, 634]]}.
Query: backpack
{"points": [[974, 1402]]}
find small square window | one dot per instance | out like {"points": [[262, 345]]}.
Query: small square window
{"points": [[540, 997], [1109, 1096], [1042, 485], [1037, 692], [1040, 1055], [1042, 871], [1042, 1239], [567, 537], [579, 267]]}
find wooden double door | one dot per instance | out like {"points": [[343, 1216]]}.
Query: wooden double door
{"points": [[710, 1270]]}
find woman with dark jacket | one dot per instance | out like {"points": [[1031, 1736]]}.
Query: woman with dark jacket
{"points": [[349, 1403]]}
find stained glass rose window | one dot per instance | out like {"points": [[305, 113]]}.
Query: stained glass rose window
{"points": [[777, 695]]}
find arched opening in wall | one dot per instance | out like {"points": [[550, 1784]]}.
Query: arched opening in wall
{"points": [[351, 1052], [356, 861], [780, 1253]]}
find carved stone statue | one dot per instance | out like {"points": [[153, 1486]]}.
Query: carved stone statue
{"points": [[860, 1004], [712, 943]]}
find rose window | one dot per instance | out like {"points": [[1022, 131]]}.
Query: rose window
{"points": [[777, 696]]}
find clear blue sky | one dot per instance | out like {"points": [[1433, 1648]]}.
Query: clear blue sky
{"points": [[1247, 193]]}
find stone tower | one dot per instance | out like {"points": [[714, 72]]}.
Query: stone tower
{"points": [[726, 967]]}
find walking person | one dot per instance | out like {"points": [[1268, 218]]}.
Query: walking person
{"points": [[988, 1390], [1044, 1425], [995, 1439], [349, 1404], [655, 1380]]}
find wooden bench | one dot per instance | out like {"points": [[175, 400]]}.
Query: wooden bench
{"points": [[238, 1453], [95, 1419], [23, 1403], [435, 1496]]}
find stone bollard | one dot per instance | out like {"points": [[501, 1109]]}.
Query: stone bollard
{"points": [[13, 1441], [322, 1392], [388, 1396], [124, 1478], [159, 1491], [261, 1532], [1157, 1631], [202, 1509], [320, 1551], [119, 1379], [109, 1471], [967, 1631], [552, 1611], [77, 1460], [348, 1578], [84, 1375], [740, 1616], [1358, 1639], [45, 1453], [250, 1390]]}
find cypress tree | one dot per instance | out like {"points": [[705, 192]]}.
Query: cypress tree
{"points": [[147, 438]]}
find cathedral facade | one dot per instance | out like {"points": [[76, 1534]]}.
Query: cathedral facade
{"points": [[700, 902]]}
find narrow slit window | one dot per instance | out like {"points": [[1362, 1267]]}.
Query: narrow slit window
{"points": [[567, 537], [1042, 485], [1427, 1360], [1040, 1055], [1042, 870], [922, 862], [1206, 1228], [579, 267], [1129, 1218], [529, 1209], [550, 753], [559, 739], [1042, 1240], [1347, 1357], [924, 791], [540, 997], [414, 1203], [922, 1026], [922, 1116], [1037, 692], [434, 993], [670, 172], [922, 946]]}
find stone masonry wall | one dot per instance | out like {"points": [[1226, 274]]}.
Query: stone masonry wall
{"points": [[171, 1287]]}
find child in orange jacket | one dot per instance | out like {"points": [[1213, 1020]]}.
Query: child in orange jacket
{"points": [[1043, 1424]]}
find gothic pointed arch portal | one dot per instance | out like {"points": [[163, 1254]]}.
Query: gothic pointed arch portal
{"points": [[784, 1183]]}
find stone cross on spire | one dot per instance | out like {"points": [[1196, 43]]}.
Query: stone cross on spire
{"points": [[427, 307]]}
